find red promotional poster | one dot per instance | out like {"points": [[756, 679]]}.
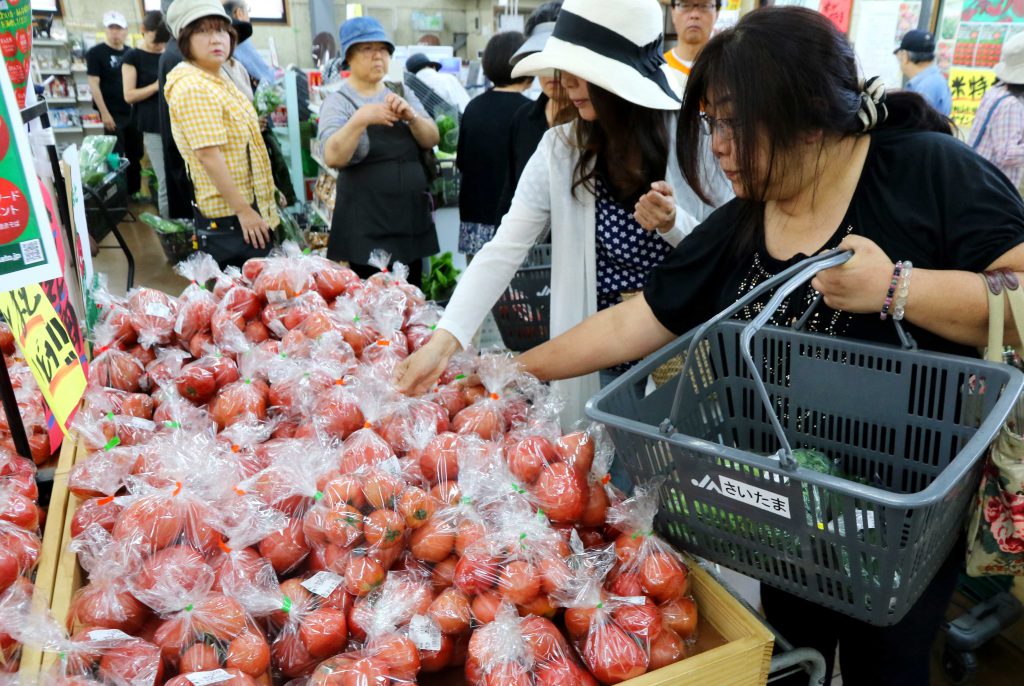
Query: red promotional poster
{"points": [[838, 11], [16, 43]]}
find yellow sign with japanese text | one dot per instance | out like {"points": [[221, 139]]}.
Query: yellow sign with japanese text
{"points": [[47, 347], [968, 87]]}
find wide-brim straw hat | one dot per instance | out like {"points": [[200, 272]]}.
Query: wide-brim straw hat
{"points": [[1010, 68]]}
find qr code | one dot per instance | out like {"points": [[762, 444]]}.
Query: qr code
{"points": [[31, 251]]}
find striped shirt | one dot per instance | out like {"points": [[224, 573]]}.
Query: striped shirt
{"points": [[1002, 144]]}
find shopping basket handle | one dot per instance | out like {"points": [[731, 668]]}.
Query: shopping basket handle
{"points": [[667, 426], [808, 270]]}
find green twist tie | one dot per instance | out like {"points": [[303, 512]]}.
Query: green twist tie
{"points": [[306, 375], [434, 327], [540, 514], [600, 605], [217, 355], [188, 608], [639, 534], [355, 318], [306, 251], [284, 355], [460, 377], [63, 655], [516, 488], [318, 496], [110, 416], [171, 425], [112, 443], [248, 381], [286, 604], [466, 500]]}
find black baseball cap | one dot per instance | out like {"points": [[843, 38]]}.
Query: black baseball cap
{"points": [[419, 61], [917, 41]]}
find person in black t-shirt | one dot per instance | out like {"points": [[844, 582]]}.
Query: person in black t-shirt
{"points": [[103, 65], [821, 159], [140, 71], [484, 144]]}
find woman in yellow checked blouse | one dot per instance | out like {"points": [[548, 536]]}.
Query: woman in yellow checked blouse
{"points": [[217, 131]]}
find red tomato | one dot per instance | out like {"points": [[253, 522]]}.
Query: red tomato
{"points": [[666, 648], [219, 616], [240, 400], [612, 655], [545, 641], [527, 457], [116, 369], [432, 542], [485, 607], [364, 448], [554, 573], [19, 510], [249, 653], [443, 573], [109, 608], [562, 671], [627, 545], [324, 632], [439, 460], [519, 582], [366, 672], [334, 280], [343, 490], [362, 575], [285, 548], [643, 621], [447, 492], [540, 606], [451, 611], [436, 660], [252, 268], [135, 662], [382, 489], [485, 420], [399, 655], [196, 382], [663, 577], [576, 449], [508, 674], [172, 570], [578, 621], [337, 413], [680, 615], [384, 528], [627, 584], [475, 573], [341, 526], [561, 492], [289, 655], [416, 507], [199, 658], [596, 510], [256, 332]]}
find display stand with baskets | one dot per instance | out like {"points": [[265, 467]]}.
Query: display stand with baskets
{"points": [[903, 424]]}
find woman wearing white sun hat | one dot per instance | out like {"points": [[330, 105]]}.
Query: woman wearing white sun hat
{"points": [[607, 182], [998, 132]]}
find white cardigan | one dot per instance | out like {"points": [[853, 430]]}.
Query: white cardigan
{"points": [[545, 192]]}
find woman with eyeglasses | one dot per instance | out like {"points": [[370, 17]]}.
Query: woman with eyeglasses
{"points": [[821, 159], [374, 133], [694, 20], [600, 181]]}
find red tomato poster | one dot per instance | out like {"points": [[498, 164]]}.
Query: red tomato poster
{"points": [[16, 43]]}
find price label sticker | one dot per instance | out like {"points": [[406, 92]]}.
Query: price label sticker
{"points": [[391, 466], [322, 584], [576, 543], [633, 599], [214, 676], [276, 296], [424, 633], [158, 310], [108, 635]]}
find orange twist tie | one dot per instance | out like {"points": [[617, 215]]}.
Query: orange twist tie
{"points": [[367, 425], [105, 501], [238, 490], [177, 488], [494, 396], [222, 544], [606, 478], [383, 342], [235, 449], [339, 382]]}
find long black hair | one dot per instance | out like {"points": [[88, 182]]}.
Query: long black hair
{"points": [[627, 147], [786, 72]]}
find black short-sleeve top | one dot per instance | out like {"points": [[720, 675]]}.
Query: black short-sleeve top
{"points": [[922, 196]]}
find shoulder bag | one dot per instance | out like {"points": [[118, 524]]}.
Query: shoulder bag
{"points": [[995, 535]]}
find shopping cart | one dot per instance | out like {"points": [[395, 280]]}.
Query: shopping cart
{"points": [[523, 311], [106, 206], [902, 424], [995, 608]]}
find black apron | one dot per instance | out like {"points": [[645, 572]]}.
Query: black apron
{"points": [[383, 202]]}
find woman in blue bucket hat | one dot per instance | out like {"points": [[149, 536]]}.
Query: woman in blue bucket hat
{"points": [[375, 133]]}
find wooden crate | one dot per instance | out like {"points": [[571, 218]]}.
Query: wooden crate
{"points": [[734, 648], [53, 545]]}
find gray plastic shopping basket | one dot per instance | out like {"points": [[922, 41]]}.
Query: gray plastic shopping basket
{"points": [[903, 425]]}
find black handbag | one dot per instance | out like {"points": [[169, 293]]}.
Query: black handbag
{"points": [[223, 240]]}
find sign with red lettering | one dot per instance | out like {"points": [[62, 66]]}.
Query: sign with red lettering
{"points": [[838, 11]]}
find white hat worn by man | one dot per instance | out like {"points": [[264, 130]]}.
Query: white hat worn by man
{"points": [[114, 19]]}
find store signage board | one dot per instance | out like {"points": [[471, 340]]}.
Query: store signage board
{"points": [[16, 44], [838, 11], [28, 254], [76, 197]]}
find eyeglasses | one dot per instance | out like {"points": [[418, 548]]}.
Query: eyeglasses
{"points": [[725, 128], [699, 6]]}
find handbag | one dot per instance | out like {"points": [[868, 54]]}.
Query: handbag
{"points": [[995, 534], [223, 240]]}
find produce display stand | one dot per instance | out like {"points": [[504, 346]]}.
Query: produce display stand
{"points": [[51, 552], [734, 647]]}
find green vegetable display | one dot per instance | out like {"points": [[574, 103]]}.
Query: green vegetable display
{"points": [[439, 283], [448, 127], [92, 158]]}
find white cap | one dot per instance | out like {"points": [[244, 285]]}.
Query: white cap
{"points": [[115, 19]]}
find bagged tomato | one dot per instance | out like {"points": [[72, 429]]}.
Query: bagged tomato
{"points": [[392, 626], [155, 518], [285, 275], [336, 413], [521, 650], [246, 397], [200, 380], [411, 424], [386, 310], [332, 279], [354, 328], [498, 372], [113, 367], [153, 315], [196, 303], [283, 316], [644, 560], [396, 280], [421, 324], [103, 472], [365, 447], [15, 607], [106, 601], [19, 553]]}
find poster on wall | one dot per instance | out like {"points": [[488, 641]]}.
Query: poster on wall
{"points": [[16, 43], [27, 250], [838, 11], [970, 46]]}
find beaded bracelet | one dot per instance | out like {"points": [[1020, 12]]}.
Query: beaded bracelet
{"points": [[897, 270], [900, 304]]}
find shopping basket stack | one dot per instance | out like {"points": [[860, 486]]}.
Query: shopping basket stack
{"points": [[523, 312], [906, 430]]}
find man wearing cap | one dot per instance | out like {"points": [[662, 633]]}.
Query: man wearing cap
{"points": [[917, 61], [245, 51], [446, 86], [694, 20], [103, 66]]}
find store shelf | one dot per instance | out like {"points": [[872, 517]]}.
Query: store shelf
{"points": [[92, 126], [67, 129], [48, 43], [323, 165], [322, 213], [79, 67], [61, 101], [55, 72]]}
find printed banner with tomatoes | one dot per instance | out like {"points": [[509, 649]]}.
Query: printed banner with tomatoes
{"points": [[27, 250], [16, 43]]}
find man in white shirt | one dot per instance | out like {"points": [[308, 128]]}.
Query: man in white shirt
{"points": [[445, 85]]}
